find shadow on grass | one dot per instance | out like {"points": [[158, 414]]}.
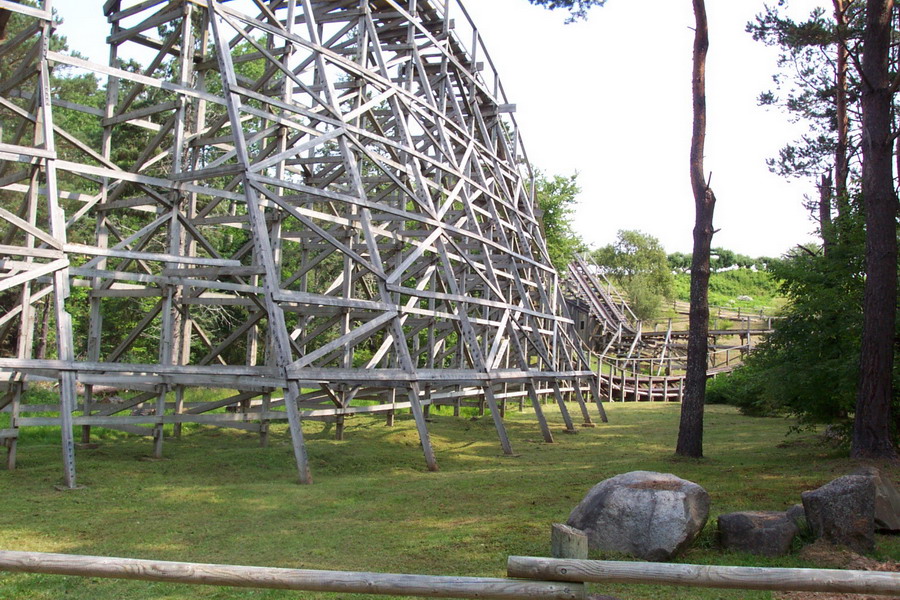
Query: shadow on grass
{"points": [[219, 497]]}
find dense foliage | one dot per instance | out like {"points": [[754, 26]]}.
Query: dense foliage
{"points": [[638, 265], [720, 259], [555, 197], [577, 8], [809, 366]]}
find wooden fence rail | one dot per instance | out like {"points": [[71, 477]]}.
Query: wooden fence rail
{"points": [[539, 578], [747, 578], [288, 579]]}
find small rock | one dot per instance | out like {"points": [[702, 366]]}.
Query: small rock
{"points": [[756, 532], [652, 516], [887, 500], [843, 512], [745, 298]]}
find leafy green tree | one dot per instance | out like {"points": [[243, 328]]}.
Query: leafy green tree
{"points": [[556, 198], [577, 8], [638, 264], [809, 366], [852, 115], [816, 86], [679, 262]]}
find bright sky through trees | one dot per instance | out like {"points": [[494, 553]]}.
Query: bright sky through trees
{"points": [[610, 99]]}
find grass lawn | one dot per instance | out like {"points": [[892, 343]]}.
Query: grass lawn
{"points": [[218, 497]]}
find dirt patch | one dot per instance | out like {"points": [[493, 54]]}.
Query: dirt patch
{"points": [[826, 556]]}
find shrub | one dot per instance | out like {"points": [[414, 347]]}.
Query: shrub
{"points": [[744, 388]]}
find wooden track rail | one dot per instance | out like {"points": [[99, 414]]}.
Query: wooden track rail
{"points": [[314, 207]]}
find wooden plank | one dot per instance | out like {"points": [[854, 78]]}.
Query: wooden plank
{"points": [[171, 258], [38, 270], [26, 10]]}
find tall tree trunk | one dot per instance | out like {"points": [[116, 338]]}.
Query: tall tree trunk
{"points": [[4, 19], [825, 228], [841, 161], [871, 426], [690, 431]]}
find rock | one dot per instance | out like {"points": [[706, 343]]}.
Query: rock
{"points": [[843, 512], [798, 515], [568, 542], [652, 516], [745, 298], [764, 533], [887, 500]]}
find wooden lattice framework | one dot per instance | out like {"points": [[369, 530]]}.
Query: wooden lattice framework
{"points": [[345, 185]]}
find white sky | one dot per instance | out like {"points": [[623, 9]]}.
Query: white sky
{"points": [[610, 99]]}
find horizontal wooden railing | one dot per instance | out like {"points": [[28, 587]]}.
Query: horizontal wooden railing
{"points": [[429, 586], [746, 578], [530, 577]]}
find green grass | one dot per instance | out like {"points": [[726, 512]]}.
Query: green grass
{"points": [[218, 497]]}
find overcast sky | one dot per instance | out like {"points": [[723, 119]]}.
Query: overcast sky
{"points": [[610, 99]]}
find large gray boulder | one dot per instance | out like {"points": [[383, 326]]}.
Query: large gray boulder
{"points": [[843, 512], [652, 516], [887, 500], [758, 532]]}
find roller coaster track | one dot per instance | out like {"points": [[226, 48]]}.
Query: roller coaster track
{"points": [[602, 305], [636, 364], [342, 180]]}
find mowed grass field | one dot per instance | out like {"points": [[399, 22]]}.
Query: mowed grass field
{"points": [[218, 497]]}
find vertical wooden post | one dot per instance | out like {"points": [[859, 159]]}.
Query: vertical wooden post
{"points": [[390, 415], [278, 330], [44, 137], [570, 428]]}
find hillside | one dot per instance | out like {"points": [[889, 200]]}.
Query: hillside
{"points": [[726, 287]]}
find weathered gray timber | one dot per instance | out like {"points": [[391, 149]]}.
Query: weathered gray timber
{"points": [[430, 586], [746, 578], [326, 205], [567, 542]]}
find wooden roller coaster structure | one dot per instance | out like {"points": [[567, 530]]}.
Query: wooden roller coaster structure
{"points": [[636, 364], [342, 179]]}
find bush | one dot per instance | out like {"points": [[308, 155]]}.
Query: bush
{"points": [[744, 388], [809, 366]]}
